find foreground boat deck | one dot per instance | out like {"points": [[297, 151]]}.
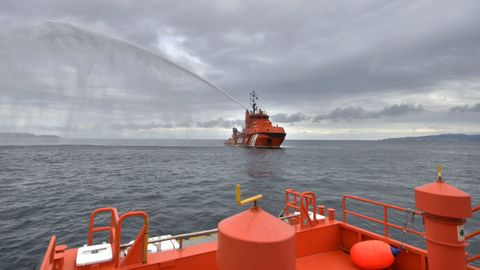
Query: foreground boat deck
{"points": [[323, 247], [327, 260], [315, 242]]}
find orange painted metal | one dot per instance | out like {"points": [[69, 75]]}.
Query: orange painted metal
{"points": [[331, 214], [138, 251], [48, 259], [255, 240], [321, 210], [385, 207], [445, 209], [113, 223], [330, 260], [324, 245], [308, 204], [305, 203], [372, 254]]}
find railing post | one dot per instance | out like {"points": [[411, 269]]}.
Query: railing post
{"points": [[331, 214], [344, 208], [385, 220], [321, 210]]}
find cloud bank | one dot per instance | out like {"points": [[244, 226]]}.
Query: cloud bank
{"points": [[90, 68]]}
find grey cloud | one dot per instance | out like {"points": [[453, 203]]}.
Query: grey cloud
{"points": [[334, 51], [348, 113], [310, 55], [220, 122], [354, 113], [141, 126], [91, 80], [466, 108], [289, 118], [399, 109]]}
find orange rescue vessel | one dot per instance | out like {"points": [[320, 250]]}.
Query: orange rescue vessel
{"points": [[258, 131]]}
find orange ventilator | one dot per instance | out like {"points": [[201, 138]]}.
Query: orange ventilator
{"points": [[372, 255], [445, 209], [255, 240]]}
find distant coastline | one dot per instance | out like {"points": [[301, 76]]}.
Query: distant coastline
{"points": [[438, 138], [10, 138], [18, 138]]}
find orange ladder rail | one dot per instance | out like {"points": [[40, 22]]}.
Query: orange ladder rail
{"points": [[301, 202], [308, 199], [113, 222], [138, 251], [292, 204]]}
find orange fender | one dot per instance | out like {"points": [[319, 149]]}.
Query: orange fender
{"points": [[372, 255]]}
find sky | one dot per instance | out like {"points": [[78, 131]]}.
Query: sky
{"points": [[322, 69]]}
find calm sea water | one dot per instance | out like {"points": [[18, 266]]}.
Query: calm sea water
{"points": [[188, 186]]}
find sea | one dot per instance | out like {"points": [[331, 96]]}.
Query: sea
{"points": [[187, 186]]}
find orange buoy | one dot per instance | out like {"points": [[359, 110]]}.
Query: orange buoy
{"points": [[372, 255], [255, 240]]}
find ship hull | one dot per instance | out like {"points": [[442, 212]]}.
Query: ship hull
{"points": [[261, 139]]}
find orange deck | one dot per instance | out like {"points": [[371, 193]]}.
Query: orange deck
{"points": [[330, 260], [322, 244]]}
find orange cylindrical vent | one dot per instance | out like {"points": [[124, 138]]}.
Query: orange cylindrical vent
{"points": [[445, 209], [255, 240]]}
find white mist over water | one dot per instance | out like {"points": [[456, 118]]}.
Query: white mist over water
{"points": [[60, 79]]}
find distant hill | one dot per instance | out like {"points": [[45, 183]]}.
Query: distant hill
{"points": [[439, 138], [7, 138]]}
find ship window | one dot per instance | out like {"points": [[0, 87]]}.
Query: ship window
{"points": [[269, 141]]}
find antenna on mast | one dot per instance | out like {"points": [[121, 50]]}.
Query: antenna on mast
{"points": [[253, 101]]}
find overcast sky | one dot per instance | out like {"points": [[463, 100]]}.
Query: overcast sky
{"points": [[322, 69]]}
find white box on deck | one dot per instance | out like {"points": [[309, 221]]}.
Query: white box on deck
{"points": [[94, 254]]}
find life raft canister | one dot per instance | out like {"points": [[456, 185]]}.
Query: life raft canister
{"points": [[372, 255]]}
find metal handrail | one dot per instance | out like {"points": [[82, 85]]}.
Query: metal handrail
{"points": [[142, 235], [301, 202], [385, 222], [184, 236], [308, 199], [113, 223]]}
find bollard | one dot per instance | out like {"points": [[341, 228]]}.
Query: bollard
{"points": [[331, 214]]}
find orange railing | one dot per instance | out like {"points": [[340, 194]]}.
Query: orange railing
{"points": [[308, 200], [138, 251], [301, 202], [113, 222], [386, 224], [469, 236]]}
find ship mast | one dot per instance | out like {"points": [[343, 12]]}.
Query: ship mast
{"points": [[253, 101]]}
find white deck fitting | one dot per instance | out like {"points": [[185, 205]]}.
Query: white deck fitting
{"points": [[169, 244], [310, 214], [94, 254]]}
